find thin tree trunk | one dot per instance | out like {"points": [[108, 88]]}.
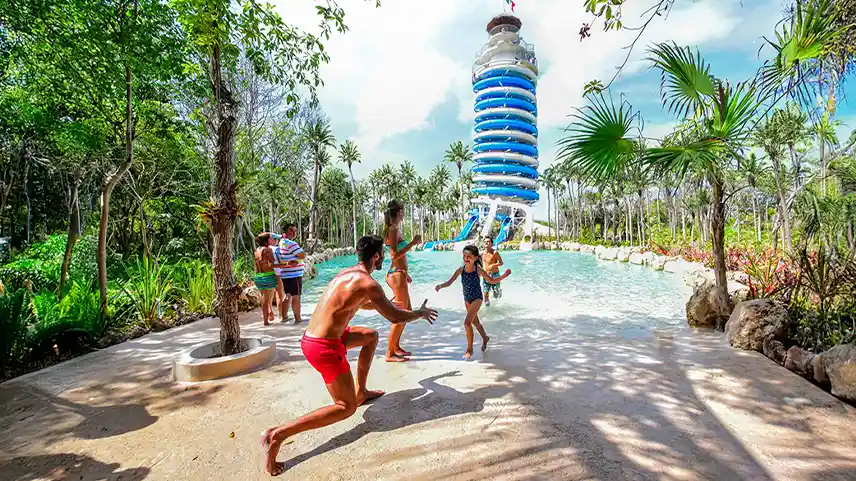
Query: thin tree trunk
{"points": [[784, 218], [354, 203], [107, 190], [26, 156], [73, 233], [225, 211]]}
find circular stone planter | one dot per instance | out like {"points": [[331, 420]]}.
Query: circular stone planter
{"points": [[199, 364]]}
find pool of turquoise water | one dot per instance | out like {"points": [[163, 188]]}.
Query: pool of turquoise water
{"points": [[549, 293]]}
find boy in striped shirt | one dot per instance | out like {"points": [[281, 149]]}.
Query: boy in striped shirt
{"points": [[289, 252]]}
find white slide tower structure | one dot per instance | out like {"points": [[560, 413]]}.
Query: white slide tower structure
{"points": [[505, 130]]}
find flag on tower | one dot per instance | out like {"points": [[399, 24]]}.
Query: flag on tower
{"points": [[511, 2]]}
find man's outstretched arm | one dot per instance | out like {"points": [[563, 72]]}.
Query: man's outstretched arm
{"points": [[379, 302]]}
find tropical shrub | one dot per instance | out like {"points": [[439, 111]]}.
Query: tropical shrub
{"points": [[769, 275], [39, 274], [14, 315], [825, 299], [197, 286], [148, 288], [244, 270]]}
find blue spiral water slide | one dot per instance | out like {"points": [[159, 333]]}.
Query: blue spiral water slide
{"points": [[505, 125]]}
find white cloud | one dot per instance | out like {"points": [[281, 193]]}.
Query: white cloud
{"points": [[387, 71]]}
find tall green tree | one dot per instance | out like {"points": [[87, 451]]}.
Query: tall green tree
{"points": [[281, 54], [349, 155], [320, 138], [105, 60], [460, 155]]}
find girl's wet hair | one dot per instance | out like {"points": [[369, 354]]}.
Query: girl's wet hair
{"points": [[475, 252]]}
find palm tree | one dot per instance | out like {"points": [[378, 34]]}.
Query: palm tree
{"points": [[718, 115], [408, 179], [459, 154], [548, 179], [440, 177], [320, 138], [350, 155]]}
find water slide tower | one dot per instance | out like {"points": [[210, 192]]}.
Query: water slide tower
{"points": [[505, 130]]}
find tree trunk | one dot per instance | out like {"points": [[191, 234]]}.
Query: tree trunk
{"points": [[26, 156], [549, 213], [225, 211], [73, 233], [784, 218], [353, 203], [313, 205], [107, 190], [717, 225]]}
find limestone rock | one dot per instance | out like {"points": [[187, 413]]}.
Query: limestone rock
{"points": [[608, 254], [840, 365], [738, 292], [658, 263], [623, 254], [753, 321], [775, 350], [706, 309], [249, 299], [588, 249], [800, 361], [575, 246]]}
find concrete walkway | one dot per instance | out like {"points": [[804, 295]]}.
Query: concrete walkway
{"points": [[667, 407]]}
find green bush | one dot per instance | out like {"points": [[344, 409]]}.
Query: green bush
{"points": [[197, 285], [14, 316], [77, 317], [40, 264], [244, 269], [149, 287], [40, 275], [84, 259]]}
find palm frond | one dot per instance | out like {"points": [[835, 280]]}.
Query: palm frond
{"points": [[681, 157], [806, 38], [600, 139], [685, 79], [733, 110]]}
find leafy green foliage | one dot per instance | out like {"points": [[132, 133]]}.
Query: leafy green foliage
{"points": [[14, 316], [149, 287], [196, 282]]}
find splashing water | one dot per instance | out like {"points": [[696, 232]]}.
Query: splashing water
{"points": [[550, 293]]}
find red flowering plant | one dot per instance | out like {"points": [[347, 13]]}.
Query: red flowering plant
{"points": [[770, 275]]}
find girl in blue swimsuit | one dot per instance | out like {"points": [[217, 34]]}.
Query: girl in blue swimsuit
{"points": [[470, 273]]}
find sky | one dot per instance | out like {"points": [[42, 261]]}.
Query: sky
{"points": [[399, 81]]}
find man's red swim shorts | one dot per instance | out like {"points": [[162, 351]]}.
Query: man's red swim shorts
{"points": [[327, 356]]}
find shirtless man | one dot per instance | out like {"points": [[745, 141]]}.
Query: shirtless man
{"points": [[328, 336]]}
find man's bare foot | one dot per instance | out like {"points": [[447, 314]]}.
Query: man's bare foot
{"points": [[396, 358], [484, 343], [267, 323], [402, 352], [368, 396], [468, 354], [271, 450], [298, 321]]}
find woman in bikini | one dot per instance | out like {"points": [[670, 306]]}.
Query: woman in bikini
{"points": [[265, 277], [397, 277]]}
